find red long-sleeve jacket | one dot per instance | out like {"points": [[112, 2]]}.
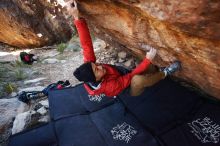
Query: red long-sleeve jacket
{"points": [[113, 82]]}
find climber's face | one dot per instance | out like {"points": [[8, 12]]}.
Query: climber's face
{"points": [[99, 71]]}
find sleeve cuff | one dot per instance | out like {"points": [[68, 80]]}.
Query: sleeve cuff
{"points": [[79, 21], [147, 60]]}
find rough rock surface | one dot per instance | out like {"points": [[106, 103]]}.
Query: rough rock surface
{"points": [[183, 30], [9, 108], [32, 23]]}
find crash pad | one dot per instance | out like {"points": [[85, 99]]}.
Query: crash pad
{"points": [[161, 116], [43, 135]]}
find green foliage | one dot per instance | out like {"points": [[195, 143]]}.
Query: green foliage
{"points": [[61, 57], [9, 88], [74, 31], [20, 64], [19, 74], [92, 36], [2, 71], [76, 49], [61, 47]]}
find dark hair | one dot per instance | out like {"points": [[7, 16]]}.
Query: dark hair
{"points": [[85, 73]]}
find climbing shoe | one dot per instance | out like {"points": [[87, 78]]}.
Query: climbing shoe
{"points": [[172, 68]]}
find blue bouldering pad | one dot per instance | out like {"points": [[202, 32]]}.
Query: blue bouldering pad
{"points": [[162, 105], [120, 128], [40, 136], [109, 126], [158, 117], [203, 129], [75, 101], [79, 131]]}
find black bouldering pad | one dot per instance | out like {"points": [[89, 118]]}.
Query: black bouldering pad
{"points": [[162, 105], [158, 117], [79, 131], [202, 129], [120, 128], [41, 136], [75, 101], [109, 126]]}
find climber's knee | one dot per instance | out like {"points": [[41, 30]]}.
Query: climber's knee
{"points": [[137, 81]]}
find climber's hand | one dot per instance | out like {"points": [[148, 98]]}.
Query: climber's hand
{"points": [[151, 54], [72, 9]]}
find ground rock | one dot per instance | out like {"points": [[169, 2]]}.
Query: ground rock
{"points": [[21, 120], [129, 63], [51, 60], [34, 80], [99, 44], [45, 103], [7, 58], [122, 55], [35, 88], [62, 61], [44, 119], [42, 111], [72, 47], [49, 54], [9, 108]]}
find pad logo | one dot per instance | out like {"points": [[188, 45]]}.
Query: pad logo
{"points": [[205, 130], [123, 132], [96, 98]]}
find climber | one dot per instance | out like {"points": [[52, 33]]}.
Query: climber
{"points": [[27, 58], [111, 80]]}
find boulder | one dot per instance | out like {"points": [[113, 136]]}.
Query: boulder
{"points": [[20, 122], [37, 23], [9, 108], [183, 30]]}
